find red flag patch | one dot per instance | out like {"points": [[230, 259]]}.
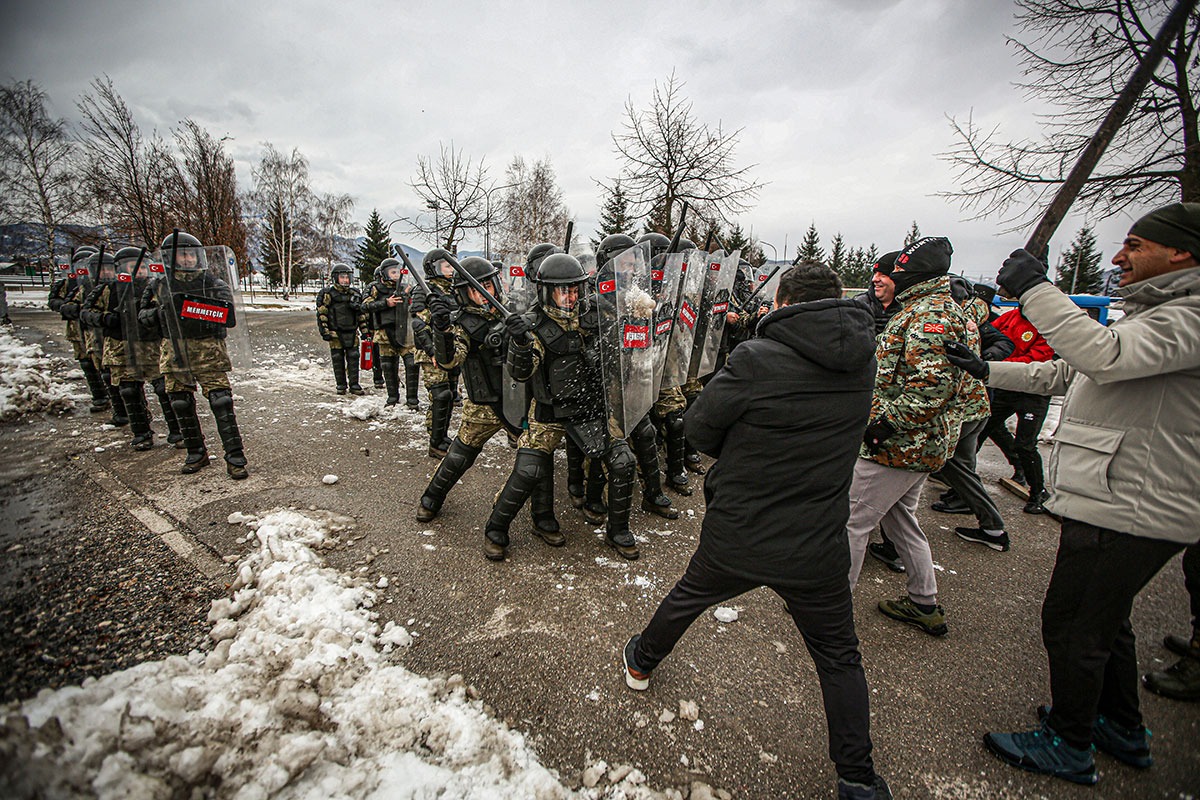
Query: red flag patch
{"points": [[687, 315], [516, 271], [124, 277], [662, 327], [656, 274], [156, 267], [607, 286], [636, 336], [935, 327], [715, 266]]}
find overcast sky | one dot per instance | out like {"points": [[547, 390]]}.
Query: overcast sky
{"points": [[843, 103]]}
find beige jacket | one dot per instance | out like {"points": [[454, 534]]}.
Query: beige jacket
{"points": [[1127, 448]]}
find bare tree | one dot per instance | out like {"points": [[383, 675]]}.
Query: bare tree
{"points": [[281, 190], [127, 176], [37, 170], [1076, 57], [453, 190], [532, 208], [332, 217], [668, 156], [209, 204]]}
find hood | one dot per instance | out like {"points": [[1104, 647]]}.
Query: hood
{"points": [[838, 334], [1161, 288]]}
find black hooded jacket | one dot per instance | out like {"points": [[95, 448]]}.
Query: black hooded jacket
{"points": [[785, 419]]}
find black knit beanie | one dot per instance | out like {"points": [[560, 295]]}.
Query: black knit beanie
{"points": [[1176, 225]]}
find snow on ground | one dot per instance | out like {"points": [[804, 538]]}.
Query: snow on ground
{"points": [[26, 382], [301, 697]]}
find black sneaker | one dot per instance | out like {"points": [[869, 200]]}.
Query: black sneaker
{"points": [[635, 677], [950, 508], [1036, 499], [1043, 751], [886, 552], [997, 541], [878, 790]]}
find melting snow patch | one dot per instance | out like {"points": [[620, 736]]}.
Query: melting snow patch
{"points": [[26, 383]]}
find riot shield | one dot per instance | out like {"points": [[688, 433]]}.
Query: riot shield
{"points": [[768, 284], [202, 312], [400, 327], [710, 323], [665, 277], [625, 305], [519, 292], [689, 292], [141, 341]]}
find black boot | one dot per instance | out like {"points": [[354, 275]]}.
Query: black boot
{"points": [[412, 382], [221, 403], [95, 383], [677, 479], [691, 458], [391, 377], [376, 367], [645, 449], [174, 437], [621, 468], [339, 369], [526, 473], [134, 396], [458, 460], [541, 509], [351, 356], [595, 510], [184, 406], [575, 485], [120, 416], [441, 403]]}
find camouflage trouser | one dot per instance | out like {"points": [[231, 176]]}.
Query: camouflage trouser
{"points": [[670, 400], [335, 343], [145, 365], [77, 348], [94, 348], [543, 436], [208, 366], [479, 423], [386, 348], [691, 390]]}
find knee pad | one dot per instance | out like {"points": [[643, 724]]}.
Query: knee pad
{"points": [[441, 393], [131, 391], [620, 460], [183, 403], [220, 400], [160, 386], [531, 465]]}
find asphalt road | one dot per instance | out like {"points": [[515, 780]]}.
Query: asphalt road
{"points": [[540, 634]]}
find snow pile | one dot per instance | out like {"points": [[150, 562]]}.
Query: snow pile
{"points": [[26, 383], [297, 700], [372, 406]]}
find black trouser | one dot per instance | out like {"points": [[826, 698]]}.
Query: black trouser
{"points": [[1021, 450], [1086, 630], [825, 618], [959, 474]]}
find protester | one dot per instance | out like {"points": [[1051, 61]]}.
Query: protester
{"points": [[1124, 476], [803, 386]]}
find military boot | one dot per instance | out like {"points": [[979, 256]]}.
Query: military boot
{"points": [[575, 484], [100, 399], [120, 416], [527, 472], [458, 460], [339, 370], [691, 458], [174, 437], [677, 479], [541, 509], [391, 376], [184, 406], [645, 449], [412, 382], [621, 467], [376, 367], [221, 403], [351, 356], [595, 510], [134, 396], [441, 407], [1181, 680]]}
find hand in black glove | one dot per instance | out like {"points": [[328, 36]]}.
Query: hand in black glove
{"points": [[111, 319], [518, 327], [440, 309], [877, 432], [1020, 273], [148, 317], [327, 337], [965, 359]]}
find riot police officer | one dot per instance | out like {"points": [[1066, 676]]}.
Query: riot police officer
{"points": [[339, 319], [439, 276], [389, 307], [61, 291]]}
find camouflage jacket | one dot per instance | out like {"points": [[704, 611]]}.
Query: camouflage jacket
{"points": [[975, 405], [917, 391]]}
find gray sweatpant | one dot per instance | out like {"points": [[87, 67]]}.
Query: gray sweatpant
{"points": [[889, 495]]}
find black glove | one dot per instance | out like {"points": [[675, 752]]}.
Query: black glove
{"points": [[111, 319], [440, 309], [148, 317], [518, 327], [965, 359], [327, 337], [877, 432], [1020, 273]]}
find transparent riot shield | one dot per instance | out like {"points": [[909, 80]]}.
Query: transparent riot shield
{"points": [[689, 292], [142, 341], [519, 292], [719, 275], [665, 278], [768, 284], [625, 305], [400, 327], [201, 310]]}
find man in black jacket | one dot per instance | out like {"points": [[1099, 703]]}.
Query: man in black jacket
{"points": [[785, 418]]}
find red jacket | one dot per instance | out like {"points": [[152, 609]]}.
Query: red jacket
{"points": [[1030, 344]]}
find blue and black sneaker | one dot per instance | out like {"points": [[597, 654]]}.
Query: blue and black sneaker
{"points": [[1044, 751], [1128, 746]]}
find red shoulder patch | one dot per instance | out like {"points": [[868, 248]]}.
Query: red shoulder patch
{"points": [[935, 327]]}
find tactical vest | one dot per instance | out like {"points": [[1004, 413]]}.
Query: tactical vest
{"points": [[110, 301], [563, 384], [388, 316], [342, 315], [482, 368], [205, 286]]}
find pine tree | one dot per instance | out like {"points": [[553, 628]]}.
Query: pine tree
{"points": [[1079, 270], [614, 216], [871, 256], [376, 248], [857, 272], [837, 256], [810, 249], [914, 233], [657, 221]]}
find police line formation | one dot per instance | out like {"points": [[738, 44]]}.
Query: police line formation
{"points": [[605, 359]]}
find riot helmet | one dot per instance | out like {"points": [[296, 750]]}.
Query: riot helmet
{"points": [[685, 245], [184, 255], [102, 266], [388, 270], [659, 244], [83, 253], [340, 269], [557, 276], [481, 270], [610, 246], [128, 259], [537, 254], [436, 265]]}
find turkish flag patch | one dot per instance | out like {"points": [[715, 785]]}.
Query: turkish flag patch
{"points": [[604, 287], [516, 271], [715, 266], [656, 274], [156, 267], [935, 327], [124, 277]]}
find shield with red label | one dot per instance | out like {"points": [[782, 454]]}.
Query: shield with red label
{"points": [[626, 308], [520, 293], [692, 267], [710, 321], [141, 341], [202, 314]]}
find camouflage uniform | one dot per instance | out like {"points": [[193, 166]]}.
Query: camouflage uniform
{"points": [[340, 319], [391, 351], [435, 377]]}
